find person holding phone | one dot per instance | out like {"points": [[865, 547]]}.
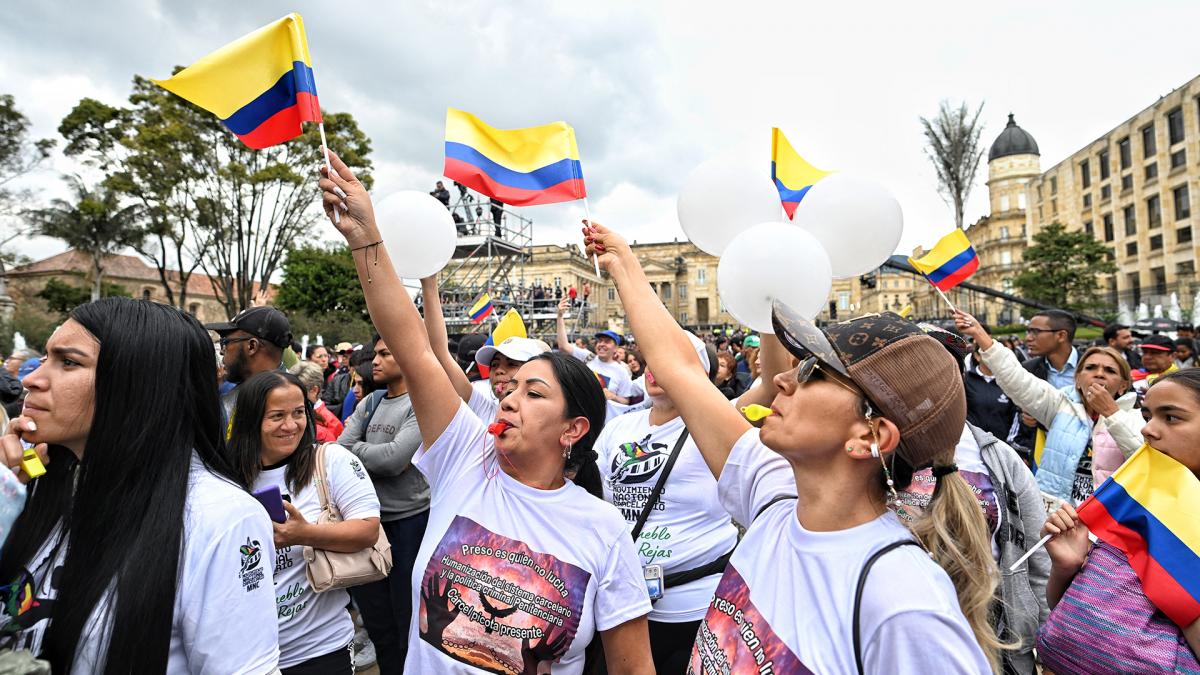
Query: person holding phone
{"points": [[136, 551], [1093, 426], [272, 444]]}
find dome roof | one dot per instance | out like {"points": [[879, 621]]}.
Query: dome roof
{"points": [[1013, 141]]}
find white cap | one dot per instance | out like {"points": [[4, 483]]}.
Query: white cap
{"points": [[515, 348]]}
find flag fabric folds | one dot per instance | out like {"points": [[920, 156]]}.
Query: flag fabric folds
{"points": [[1150, 509], [523, 167], [481, 309], [949, 263], [261, 85], [793, 176]]}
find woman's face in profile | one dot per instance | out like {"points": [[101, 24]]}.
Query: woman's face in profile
{"points": [[62, 391]]}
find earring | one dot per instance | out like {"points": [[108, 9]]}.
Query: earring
{"points": [[849, 449], [875, 450], [567, 450]]}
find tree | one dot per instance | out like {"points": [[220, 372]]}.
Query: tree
{"points": [[19, 155], [62, 297], [953, 147], [211, 203], [321, 294], [95, 223], [1061, 269]]}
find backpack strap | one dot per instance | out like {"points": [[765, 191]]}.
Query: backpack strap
{"points": [[373, 402], [858, 593]]}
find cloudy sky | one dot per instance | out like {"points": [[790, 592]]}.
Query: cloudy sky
{"points": [[651, 89]]}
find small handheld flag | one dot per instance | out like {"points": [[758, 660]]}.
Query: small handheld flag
{"points": [[260, 85], [1150, 509], [949, 263], [481, 309], [523, 167], [793, 176]]}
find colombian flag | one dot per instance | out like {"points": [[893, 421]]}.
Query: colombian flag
{"points": [[950, 262], [511, 325], [261, 85], [1150, 509], [481, 309], [523, 167], [792, 175]]}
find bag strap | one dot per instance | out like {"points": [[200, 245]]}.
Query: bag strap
{"points": [[322, 486], [858, 593], [774, 500], [373, 402], [658, 487]]}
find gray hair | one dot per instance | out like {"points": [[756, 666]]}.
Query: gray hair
{"points": [[309, 374]]}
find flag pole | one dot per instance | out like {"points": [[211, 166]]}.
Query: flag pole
{"points": [[587, 215], [337, 216], [941, 293]]}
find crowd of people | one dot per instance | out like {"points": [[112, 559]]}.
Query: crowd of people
{"points": [[598, 504]]}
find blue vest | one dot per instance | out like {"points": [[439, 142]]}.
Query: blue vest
{"points": [[1066, 441]]}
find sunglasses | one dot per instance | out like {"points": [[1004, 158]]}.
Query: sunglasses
{"points": [[226, 341], [809, 367]]}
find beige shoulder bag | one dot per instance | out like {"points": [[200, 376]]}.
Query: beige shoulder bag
{"points": [[330, 569]]}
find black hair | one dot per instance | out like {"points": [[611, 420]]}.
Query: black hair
{"points": [[585, 398], [366, 374], [245, 431], [121, 505], [1111, 330], [312, 348], [362, 356], [1060, 320]]}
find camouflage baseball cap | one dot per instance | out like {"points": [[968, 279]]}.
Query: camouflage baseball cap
{"points": [[908, 377]]}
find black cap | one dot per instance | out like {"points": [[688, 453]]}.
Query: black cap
{"points": [[1159, 342], [468, 345], [266, 323]]}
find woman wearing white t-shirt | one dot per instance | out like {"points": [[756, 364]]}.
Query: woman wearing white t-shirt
{"points": [[272, 443], [797, 593], [519, 568], [136, 551]]}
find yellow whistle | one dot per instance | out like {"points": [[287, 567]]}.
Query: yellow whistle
{"points": [[755, 412], [31, 464]]}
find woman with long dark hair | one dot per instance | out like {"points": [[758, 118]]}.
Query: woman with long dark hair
{"points": [[273, 444], [826, 578], [519, 567], [136, 551]]}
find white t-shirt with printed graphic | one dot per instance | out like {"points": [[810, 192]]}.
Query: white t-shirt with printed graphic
{"points": [[510, 578], [224, 619], [613, 375], [314, 624], [687, 527], [787, 597]]}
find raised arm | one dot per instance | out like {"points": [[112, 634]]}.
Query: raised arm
{"points": [[392, 311], [564, 344], [773, 359], [714, 424], [439, 340], [1031, 393]]}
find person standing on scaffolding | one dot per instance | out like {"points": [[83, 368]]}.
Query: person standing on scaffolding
{"points": [[497, 215], [441, 194]]}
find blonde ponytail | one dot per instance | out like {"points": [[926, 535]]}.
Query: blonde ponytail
{"points": [[955, 532]]}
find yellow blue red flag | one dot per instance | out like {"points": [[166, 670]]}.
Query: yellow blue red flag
{"points": [[260, 85], [793, 175], [524, 167], [481, 309], [1150, 509], [949, 263]]}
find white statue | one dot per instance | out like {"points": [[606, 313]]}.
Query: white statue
{"points": [[1124, 314], [1174, 311], [1143, 312], [1158, 311]]}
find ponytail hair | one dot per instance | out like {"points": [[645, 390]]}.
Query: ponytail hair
{"points": [[954, 531]]}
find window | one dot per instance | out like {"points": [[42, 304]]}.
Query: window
{"points": [[1087, 200], [1105, 193], [682, 291], [843, 301], [1186, 268], [612, 295], [1158, 276], [1149, 144], [1127, 182], [683, 317], [1108, 227], [1021, 201], [1053, 207], [1087, 227], [1003, 202], [1006, 257], [146, 294], [1156, 242], [701, 272], [1054, 185], [557, 282], [1135, 286], [1183, 235], [1178, 158], [1183, 206], [1175, 126], [1003, 232], [1085, 173], [1124, 152], [1154, 211], [1105, 169], [1151, 171], [194, 308], [1130, 215], [666, 291], [1131, 248]]}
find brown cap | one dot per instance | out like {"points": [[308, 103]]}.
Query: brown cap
{"points": [[907, 376]]}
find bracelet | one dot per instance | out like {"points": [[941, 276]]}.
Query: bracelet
{"points": [[374, 243], [376, 263]]}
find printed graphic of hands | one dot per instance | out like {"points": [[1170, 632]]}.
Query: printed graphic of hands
{"points": [[546, 649], [439, 612]]}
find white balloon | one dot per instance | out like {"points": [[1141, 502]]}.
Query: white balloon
{"points": [[857, 220], [721, 198], [418, 232], [773, 261]]}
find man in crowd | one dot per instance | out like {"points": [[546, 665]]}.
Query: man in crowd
{"points": [[251, 343], [338, 385], [988, 407], [1120, 338], [383, 433], [1158, 359], [441, 194], [614, 375], [1048, 338]]}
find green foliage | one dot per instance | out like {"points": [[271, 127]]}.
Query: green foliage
{"points": [[333, 328], [19, 155], [34, 325], [62, 297], [1061, 269], [320, 281]]}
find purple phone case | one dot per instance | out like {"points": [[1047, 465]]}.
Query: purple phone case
{"points": [[272, 501]]}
